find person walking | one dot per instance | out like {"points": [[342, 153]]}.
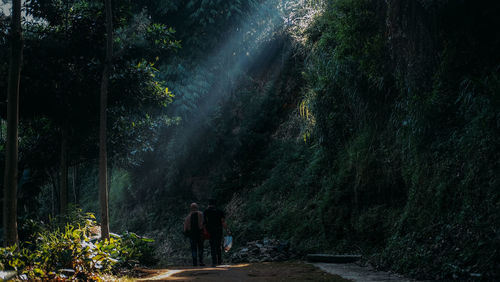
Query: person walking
{"points": [[214, 220], [193, 225]]}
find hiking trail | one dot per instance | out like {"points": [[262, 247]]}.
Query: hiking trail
{"points": [[272, 271]]}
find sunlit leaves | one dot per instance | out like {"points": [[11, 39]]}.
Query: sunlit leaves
{"points": [[73, 252]]}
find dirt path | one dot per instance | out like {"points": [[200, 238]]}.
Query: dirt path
{"points": [[286, 271]]}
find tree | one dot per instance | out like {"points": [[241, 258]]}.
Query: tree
{"points": [[64, 50], [103, 175], [63, 187], [11, 152]]}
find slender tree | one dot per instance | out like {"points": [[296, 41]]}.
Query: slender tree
{"points": [[73, 183], [63, 172], [11, 152], [103, 183]]}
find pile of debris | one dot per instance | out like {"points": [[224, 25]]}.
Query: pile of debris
{"points": [[263, 251]]}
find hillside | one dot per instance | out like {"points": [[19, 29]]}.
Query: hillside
{"points": [[374, 129]]}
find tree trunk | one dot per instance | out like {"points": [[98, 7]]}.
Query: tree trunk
{"points": [[75, 193], [11, 151], [53, 194], [103, 185], [63, 172], [54, 181]]}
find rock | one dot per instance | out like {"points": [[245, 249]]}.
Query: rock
{"points": [[263, 251], [7, 275], [67, 271]]}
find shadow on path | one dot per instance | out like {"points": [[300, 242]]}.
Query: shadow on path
{"points": [[285, 271]]}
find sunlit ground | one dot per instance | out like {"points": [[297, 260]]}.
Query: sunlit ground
{"points": [[169, 273], [284, 271]]}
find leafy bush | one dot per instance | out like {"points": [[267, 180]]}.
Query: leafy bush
{"points": [[136, 249], [74, 251]]}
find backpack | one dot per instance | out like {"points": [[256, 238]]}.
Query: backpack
{"points": [[195, 228]]}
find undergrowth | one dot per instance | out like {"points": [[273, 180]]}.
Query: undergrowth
{"points": [[69, 248]]}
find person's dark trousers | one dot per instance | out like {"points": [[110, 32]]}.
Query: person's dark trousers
{"points": [[196, 249], [216, 248]]}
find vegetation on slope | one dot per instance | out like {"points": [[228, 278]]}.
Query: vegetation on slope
{"points": [[381, 139], [404, 163]]}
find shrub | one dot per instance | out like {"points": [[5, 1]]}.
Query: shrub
{"points": [[74, 251]]}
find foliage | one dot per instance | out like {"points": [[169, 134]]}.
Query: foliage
{"points": [[393, 120], [63, 58], [136, 249], [375, 130], [201, 25], [397, 102], [72, 251]]}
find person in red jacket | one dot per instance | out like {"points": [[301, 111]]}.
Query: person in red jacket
{"points": [[193, 225]]}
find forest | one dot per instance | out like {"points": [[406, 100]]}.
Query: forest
{"points": [[334, 126]]}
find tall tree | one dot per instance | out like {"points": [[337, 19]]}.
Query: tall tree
{"points": [[64, 56], [103, 183], [63, 171], [11, 152]]}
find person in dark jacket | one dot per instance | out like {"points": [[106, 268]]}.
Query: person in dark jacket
{"points": [[193, 225], [214, 220]]}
